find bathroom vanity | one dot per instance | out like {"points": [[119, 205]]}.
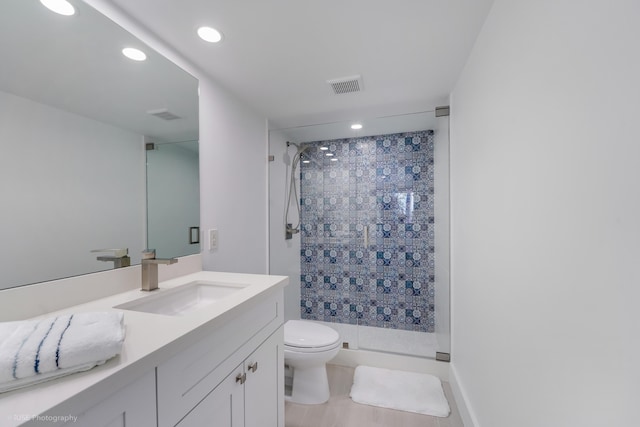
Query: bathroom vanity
{"points": [[215, 359]]}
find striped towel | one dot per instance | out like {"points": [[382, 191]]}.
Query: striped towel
{"points": [[32, 351]]}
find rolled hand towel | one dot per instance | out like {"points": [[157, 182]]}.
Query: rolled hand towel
{"points": [[37, 350]]}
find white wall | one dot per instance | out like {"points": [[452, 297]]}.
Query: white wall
{"points": [[233, 164], [545, 217], [61, 174], [233, 182]]}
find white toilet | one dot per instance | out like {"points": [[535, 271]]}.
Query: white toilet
{"points": [[308, 347]]}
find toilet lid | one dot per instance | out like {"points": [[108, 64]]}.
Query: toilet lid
{"points": [[305, 334]]}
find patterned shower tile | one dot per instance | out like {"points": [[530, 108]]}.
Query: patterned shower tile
{"points": [[384, 183]]}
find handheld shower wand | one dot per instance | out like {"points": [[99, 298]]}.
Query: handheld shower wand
{"points": [[291, 229]]}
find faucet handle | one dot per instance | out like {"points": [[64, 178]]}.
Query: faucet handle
{"points": [[149, 257], [116, 253], [149, 254]]}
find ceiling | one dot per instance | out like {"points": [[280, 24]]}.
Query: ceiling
{"points": [[277, 55]]}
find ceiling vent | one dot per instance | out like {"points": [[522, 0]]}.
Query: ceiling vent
{"points": [[346, 84], [163, 114]]}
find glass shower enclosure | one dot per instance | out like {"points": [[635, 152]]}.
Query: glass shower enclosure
{"points": [[371, 253]]}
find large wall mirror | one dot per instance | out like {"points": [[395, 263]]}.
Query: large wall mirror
{"points": [[75, 115]]}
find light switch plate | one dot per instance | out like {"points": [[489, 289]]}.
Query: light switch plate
{"points": [[213, 239]]}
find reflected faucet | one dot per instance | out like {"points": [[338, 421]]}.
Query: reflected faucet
{"points": [[119, 257], [150, 268]]}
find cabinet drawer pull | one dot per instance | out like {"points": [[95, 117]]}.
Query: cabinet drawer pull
{"points": [[253, 367], [241, 378]]}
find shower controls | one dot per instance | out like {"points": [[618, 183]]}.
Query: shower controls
{"points": [[213, 239]]}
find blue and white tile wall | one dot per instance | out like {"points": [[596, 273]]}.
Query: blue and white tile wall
{"points": [[383, 184]]}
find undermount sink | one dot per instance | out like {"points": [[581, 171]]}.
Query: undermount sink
{"points": [[183, 299]]}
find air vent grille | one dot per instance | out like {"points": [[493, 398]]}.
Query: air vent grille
{"points": [[346, 85], [163, 114]]}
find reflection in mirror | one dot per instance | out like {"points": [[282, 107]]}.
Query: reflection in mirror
{"points": [[74, 114], [173, 199]]}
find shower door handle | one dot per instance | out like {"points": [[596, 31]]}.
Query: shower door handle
{"points": [[366, 236]]}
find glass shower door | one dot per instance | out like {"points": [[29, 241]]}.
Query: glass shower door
{"points": [[368, 237], [396, 187]]}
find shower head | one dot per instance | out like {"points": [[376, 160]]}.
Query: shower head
{"points": [[298, 148]]}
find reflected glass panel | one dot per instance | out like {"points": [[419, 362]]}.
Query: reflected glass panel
{"points": [[173, 199]]}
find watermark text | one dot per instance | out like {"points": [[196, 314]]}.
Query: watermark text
{"points": [[44, 418]]}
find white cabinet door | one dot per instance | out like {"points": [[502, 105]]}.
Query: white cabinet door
{"points": [[132, 406], [223, 407], [264, 388], [185, 379], [251, 396]]}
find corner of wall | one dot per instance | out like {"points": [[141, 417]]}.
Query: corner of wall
{"points": [[466, 413]]}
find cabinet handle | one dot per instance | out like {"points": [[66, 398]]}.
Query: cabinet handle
{"points": [[253, 367], [241, 378]]}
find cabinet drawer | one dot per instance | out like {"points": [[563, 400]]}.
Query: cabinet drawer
{"points": [[187, 378]]}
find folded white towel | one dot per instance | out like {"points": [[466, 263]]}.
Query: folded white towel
{"points": [[37, 350]]}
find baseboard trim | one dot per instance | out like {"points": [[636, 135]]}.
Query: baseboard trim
{"points": [[468, 417], [377, 359]]}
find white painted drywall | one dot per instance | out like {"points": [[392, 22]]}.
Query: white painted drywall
{"points": [[233, 182], [69, 185], [545, 217]]}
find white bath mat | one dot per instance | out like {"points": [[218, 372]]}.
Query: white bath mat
{"points": [[404, 391]]}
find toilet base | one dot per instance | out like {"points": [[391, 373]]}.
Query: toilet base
{"points": [[310, 385]]}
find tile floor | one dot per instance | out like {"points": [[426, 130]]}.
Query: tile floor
{"points": [[341, 411]]}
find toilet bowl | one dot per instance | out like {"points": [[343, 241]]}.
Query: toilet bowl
{"points": [[308, 346]]}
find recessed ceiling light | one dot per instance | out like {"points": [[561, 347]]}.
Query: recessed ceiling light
{"points": [[324, 148], [135, 54], [356, 126], [63, 7], [209, 34], [306, 161], [329, 154], [334, 160]]}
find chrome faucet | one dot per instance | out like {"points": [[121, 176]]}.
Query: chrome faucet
{"points": [[150, 268], [119, 257]]}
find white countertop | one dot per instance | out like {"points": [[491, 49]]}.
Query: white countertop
{"points": [[150, 339]]}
